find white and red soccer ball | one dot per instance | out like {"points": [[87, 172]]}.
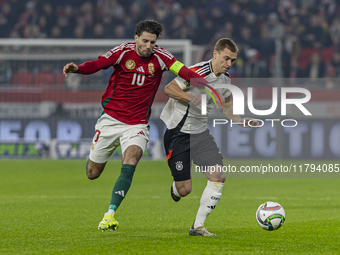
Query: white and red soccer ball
{"points": [[270, 215]]}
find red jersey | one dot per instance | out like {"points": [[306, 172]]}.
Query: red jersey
{"points": [[133, 83]]}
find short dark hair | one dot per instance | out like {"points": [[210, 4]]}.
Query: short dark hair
{"points": [[226, 43], [150, 26]]}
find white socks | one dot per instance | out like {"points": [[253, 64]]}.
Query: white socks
{"points": [[209, 199]]}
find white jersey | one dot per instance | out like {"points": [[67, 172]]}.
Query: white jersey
{"points": [[175, 110]]}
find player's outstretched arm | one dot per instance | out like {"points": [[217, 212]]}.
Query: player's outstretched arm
{"points": [[70, 68], [182, 71], [89, 67], [193, 78], [245, 122]]}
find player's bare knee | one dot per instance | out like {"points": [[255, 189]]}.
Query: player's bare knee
{"points": [[222, 178], [132, 155], [184, 190], [188, 190], [94, 170], [91, 174], [217, 177]]}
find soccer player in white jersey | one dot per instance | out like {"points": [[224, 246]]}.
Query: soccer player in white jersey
{"points": [[187, 133], [138, 70]]}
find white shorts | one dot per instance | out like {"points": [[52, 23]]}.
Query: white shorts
{"points": [[110, 133]]}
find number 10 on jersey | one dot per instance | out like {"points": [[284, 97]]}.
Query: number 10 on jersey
{"points": [[139, 78]]}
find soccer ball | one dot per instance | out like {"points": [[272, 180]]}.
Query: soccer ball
{"points": [[270, 215]]}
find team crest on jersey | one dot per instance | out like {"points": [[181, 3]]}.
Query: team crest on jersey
{"points": [[130, 64], [92, 146], [151, 68], [107, 54]]}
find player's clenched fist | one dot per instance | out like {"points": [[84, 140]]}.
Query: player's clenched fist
{"points": [[70, 68]]}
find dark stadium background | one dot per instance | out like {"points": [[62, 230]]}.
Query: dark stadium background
{"points": [[48, 206]]}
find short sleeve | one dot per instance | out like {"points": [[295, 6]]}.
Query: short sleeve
{"points": [[183, 84]]}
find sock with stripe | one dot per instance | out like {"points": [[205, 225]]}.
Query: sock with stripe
{"points": [[121, 186]]}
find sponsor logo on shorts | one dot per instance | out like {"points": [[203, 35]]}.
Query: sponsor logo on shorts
{"points": [[130, 64], [141, 133], [179, 165], [212, 207]]}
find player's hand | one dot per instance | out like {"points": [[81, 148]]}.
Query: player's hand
{"points": [[70, 68], [250, 122], [196, 100]]}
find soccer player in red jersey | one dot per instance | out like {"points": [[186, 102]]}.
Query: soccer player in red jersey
{"points": [[138, 69]]}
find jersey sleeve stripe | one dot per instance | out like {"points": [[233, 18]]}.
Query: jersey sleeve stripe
{"points": [[202, 70], [157, 48], [201, 64], [229, 76], [121, 56], [126, 45], [119, 47], [161, 62], [160, 52], [165, 54], [194, 69]]}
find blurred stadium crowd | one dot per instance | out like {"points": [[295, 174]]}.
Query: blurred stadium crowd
{"points": [[308, 29]]}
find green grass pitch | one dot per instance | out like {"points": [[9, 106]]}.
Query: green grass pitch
{"points": [[50, 207]]}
